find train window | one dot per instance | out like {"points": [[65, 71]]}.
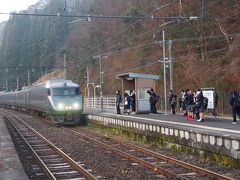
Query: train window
{"points": [[49, 92], [77, 91], [71, 91]]}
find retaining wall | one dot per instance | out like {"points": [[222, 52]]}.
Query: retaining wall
{"points": [[214, 145]]}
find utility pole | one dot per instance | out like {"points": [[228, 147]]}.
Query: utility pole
{"points": [[171, 65], [17, 79], [164, 73], [180, 8], [88, 92], [100, 57], [17, 82], [64, 66], [6, 79], [28, 77], [101, 82], [202, 7]]}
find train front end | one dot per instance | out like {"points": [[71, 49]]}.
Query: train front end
{"points": [[66, 103]]}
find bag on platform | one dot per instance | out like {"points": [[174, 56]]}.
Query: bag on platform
{"points": [[205, 102]]}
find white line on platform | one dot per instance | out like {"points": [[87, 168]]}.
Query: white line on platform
{"points": [[183, 124]]}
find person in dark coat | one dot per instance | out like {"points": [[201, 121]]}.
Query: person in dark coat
{"points": [[133, 102], [235, 105], [118, 101], [199, 107], [152, 101], [172, 99], [189, 104]]}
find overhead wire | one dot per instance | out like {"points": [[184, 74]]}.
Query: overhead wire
{"points": [[136, 37], [165, 5], [130, 25]]}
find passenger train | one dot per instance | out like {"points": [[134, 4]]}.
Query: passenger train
{"points": [[59, 100]]}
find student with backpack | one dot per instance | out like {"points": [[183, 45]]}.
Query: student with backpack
{"points": [[200, 106], [152, 100], [172, 99], [235, 104], [189, 100]]}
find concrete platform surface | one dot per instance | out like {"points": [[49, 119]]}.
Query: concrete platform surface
{"points": [[10, 165]]}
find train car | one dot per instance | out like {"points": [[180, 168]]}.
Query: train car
{"points": [[60, 100], [22, 102], [10, 99], [2, 99]]}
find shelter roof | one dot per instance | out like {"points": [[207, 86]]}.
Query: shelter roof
{"points": [[137, 75]]}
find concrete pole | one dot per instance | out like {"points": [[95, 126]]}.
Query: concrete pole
{"points": [[88, 92], [101, 82], [202, 7], [64, 66], [164, 73], [28, 77], [94, 96], [6, 79], [171, 65], [17, 82]]}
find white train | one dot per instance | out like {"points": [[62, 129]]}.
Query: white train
{"points": [[60, 100]]}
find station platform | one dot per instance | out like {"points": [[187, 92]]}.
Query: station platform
{"points": [[218, 123], [10, 165], [215, 138]]}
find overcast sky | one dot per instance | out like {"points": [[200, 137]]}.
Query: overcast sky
{"points": [[7, 6]]}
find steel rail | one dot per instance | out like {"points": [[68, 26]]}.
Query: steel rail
{"points": [[162, 157], [165, 158], [41, 163], [71, 162], [128, 156]]}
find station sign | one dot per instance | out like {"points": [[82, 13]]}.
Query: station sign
{"points": [[209, 93]]}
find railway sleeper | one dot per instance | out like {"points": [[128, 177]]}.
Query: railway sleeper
{"points": [[53, 160], [66, 175]]}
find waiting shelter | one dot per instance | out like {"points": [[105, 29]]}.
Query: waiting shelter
{"points": [[139, 83]]}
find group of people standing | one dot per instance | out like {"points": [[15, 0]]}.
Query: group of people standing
{"points": [[129, 101], [193, 104]]}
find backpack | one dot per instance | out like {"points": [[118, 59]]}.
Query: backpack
{"points": [[156, 98], [205, 102], [174, 100], [236, 100]]}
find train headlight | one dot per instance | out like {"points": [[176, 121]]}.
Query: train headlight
{"points": [[60, 106], [68, 108], [76, 105]]}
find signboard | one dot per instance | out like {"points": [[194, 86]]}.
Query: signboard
{"points": [[210, 95]]}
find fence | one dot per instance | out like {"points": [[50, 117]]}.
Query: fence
{"points": [[94, 104]]}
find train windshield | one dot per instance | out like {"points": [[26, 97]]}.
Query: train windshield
{"points": [[70, 91]]}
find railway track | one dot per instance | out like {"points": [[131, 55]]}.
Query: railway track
{"points": [[52, 160], [167, 166], [159, 166]]}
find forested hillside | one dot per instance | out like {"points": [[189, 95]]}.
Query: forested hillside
{"points": [[205, 50]]}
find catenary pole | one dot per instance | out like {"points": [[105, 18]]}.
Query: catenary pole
{"points": [[88, 92], [164, 73], [101, 82], [6, 79], [65, 66], [171, 65], [28, 77]]}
